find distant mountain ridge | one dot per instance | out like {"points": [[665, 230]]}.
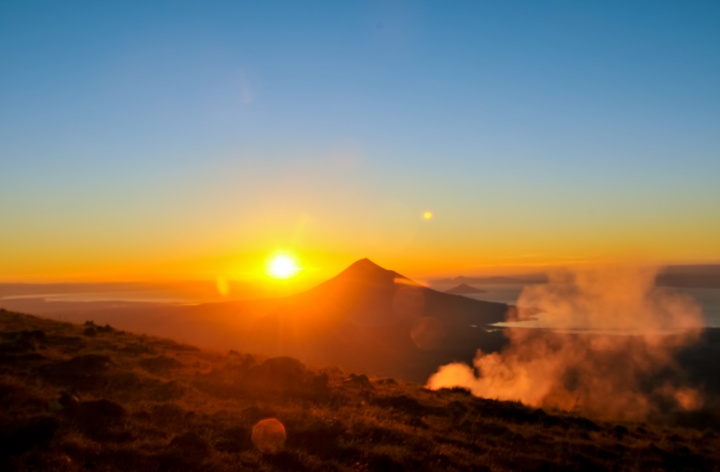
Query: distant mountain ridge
{"points": [[499, 280], [684, 276], [464, 289]]}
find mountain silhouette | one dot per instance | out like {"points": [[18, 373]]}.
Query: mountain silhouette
{"points": [[464, 289], [366, 318], [362, 293], [366, 293], [365, 270], [372, 319]]}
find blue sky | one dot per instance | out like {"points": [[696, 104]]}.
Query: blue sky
{"points": [[152, 129]]}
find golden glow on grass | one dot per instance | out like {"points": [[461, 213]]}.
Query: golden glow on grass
{"points": [[282, 266]]}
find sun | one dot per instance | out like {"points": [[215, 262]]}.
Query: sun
{"points": [[282, 266]]}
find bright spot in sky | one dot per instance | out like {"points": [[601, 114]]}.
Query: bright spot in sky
{"points": [[282, 266], [427, 215]]}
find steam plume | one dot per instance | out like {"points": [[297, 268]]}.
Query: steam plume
{"points": [[624, 369]]}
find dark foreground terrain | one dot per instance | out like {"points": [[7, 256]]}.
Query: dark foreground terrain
{"points": [[87, 397]]}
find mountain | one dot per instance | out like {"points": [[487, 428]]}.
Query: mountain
{"points": [[464, 289], [366, 293], [366, 318]]}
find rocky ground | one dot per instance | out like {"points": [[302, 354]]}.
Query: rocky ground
{"points": [[87, 397]]}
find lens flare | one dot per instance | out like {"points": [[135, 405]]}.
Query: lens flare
{"points": [[427, 333], [268, 435], [223, 288]]}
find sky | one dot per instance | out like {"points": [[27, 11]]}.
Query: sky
{"points": [[191, 140]]}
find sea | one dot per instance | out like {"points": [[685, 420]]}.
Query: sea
{"points": [[707, 298]]}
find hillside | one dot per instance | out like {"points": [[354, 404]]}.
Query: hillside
{"points": [[88, 397]]}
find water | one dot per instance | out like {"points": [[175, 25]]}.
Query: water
{"points": [[707, 298], [154, 296]]}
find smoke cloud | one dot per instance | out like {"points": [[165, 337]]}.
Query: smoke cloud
{"points": [[609, 354]]}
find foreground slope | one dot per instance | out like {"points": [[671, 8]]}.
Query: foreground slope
{"points": [[86, 397]]}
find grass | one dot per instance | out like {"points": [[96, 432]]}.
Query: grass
{"points": [[85, 397]]}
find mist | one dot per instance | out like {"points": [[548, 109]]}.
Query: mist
{"points": [[609, 355]]}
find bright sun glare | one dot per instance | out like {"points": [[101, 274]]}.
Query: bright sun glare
{"points": [[282, 266]]}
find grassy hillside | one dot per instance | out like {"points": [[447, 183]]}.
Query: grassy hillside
{"points": [[86, 397]]}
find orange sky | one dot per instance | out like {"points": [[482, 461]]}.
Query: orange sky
{"points": [[145, 142], [416, 247]]}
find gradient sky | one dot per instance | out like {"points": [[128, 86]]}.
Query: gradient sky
{"points": [[145, 140]]}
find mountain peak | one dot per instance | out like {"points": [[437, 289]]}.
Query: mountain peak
{"points": [[364, 264], [360, 280], [367, 269]]}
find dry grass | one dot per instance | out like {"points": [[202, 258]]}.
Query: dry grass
{"points": [[93, 398]]}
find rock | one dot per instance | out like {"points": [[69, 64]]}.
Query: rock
{"points": [[361, 380]]}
